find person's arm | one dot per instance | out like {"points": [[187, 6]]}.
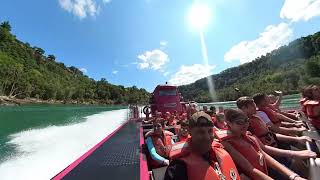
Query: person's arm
{"points": [[302, 139], [244, 164], [278, 101], [304, 154], [290, 115], [177, 170], [286, 131], [279, 167], [285, 118], [153, 153]]}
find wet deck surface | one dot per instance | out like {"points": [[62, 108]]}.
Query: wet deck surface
{"points": [[117, 158]]}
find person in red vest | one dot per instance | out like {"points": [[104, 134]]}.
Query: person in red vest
{"points": [[277, 122], [159, 142], [306, 94], [200, 158], [183, 132], [313, 107], [272, 143], [246, 152]]}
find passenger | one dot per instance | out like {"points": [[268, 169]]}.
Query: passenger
{"points": [[276, 101], [274, 104], [176, 115], [159, 142], [258, 128], [313, 107], [155, 118], [200, 158], [205, 109], [183, 132], [306, 95], [220, 122], [220, 110], [212, 111], [273, 119], [246, 152], [171, 120]]}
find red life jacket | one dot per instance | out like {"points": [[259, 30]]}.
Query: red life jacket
{"points": [[251, 153], [271, 114], [162, 145], [221, 163], [259, 129], [183, 138], [315, 119], [303, 107]]}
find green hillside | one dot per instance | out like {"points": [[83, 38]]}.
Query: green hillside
{"points": [[287, 68], [26, 72]]}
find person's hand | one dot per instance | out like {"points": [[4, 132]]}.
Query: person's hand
{"points": [[299, 124], [303, 139], [166, 162], [301, 129], [299, 178], [304, 154]]}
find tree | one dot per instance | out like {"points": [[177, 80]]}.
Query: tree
{"points": [[51, 57], [6, 25]]}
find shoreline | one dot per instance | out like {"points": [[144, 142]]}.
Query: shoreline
{"points": [[12, 101]]}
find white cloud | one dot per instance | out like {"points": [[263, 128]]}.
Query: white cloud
{"points": [[297, 10], [272, 38], [84, 70], [115, 72], [163, 43], [154, 59], [82, 8], [189, 74]]}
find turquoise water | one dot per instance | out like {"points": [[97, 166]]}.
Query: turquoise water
{"points": [[41, 140], [288, 102]]}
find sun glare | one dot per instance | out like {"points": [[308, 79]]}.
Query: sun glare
{"points": [[199, 16]]}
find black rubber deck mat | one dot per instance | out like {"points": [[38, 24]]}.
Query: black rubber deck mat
{"points": [[117, 158]]}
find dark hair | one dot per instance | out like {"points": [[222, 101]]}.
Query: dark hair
{"points": [[307, 91], [244, 101], [259, 98], [233, 114], [212, 108]]}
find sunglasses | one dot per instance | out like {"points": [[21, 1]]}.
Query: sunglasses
{"points": [[241, 121], [157, 126]]}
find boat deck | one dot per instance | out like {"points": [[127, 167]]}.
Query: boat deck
{"points": [[116, 158]]}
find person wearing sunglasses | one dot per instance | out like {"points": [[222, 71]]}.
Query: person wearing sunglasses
{"points": [[199, 157], [246, 152], [159, 142]]}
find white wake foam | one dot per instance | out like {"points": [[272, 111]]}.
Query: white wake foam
{"points": [[45, 152]]}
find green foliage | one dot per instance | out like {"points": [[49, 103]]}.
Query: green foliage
{"points": [[287, 68], [26, 72], [6, 25]]}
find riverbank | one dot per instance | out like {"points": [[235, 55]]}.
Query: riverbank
{"points": [[12, 101]]}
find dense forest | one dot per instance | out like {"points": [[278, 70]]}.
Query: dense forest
{"points": [[26, 72], [288, 69]]}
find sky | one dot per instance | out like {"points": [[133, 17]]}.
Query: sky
{"points": [[150, 42]]}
